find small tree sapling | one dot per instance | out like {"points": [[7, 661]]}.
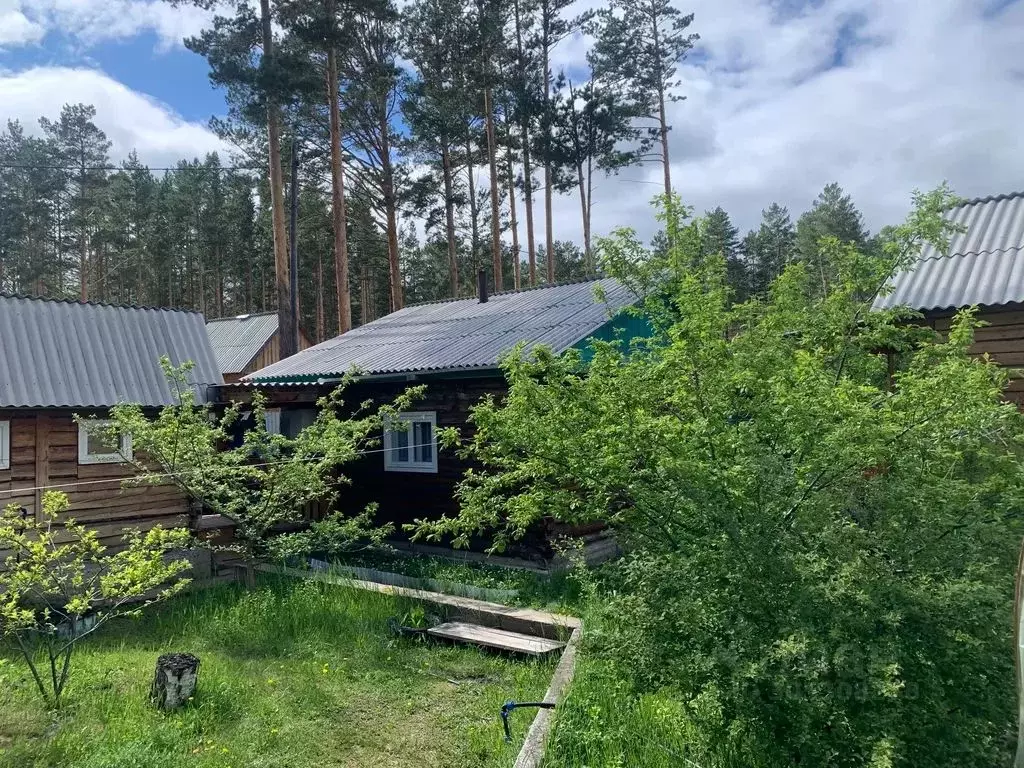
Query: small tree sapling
{"points": [[59, 584]]}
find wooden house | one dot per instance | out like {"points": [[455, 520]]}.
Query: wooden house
{"points": [[454, 348], [61, 359], [247, 343], [983, 267]]}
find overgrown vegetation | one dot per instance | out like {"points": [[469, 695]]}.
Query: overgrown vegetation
{"points": [[59, 584], [822, 554], [293, 674], [263, 482]]}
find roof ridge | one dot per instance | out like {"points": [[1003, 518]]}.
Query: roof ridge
{"points": [[91, 303], [986, 252], [989, 199], [240, 316], [525, 289]]}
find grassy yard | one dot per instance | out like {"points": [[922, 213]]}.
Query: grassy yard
{"points": [[293, 674]]}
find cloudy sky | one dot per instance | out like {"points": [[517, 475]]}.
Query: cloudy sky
{"points": [[782, 96]]}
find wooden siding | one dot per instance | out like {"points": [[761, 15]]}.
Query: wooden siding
{"points": [[270, 354], [1002, 339], [44, 452]]}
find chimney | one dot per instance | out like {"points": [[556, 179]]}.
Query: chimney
{"points": [[481, 281]]}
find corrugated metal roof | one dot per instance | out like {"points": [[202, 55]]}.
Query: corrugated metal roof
{"points": [[237, 340], [983, 265], [459, 334], [67, 354]]}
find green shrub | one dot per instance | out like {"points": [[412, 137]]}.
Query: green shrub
{"points": [[822, 557]]}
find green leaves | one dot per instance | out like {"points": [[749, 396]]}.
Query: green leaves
{"points": [[262, 482], [824, 550], [60, 583]]}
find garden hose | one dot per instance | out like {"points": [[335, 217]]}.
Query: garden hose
{"points": [[508, 706]]}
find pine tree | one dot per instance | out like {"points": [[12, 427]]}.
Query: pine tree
{"points": [[721, 238], [769, 248], [438, 110], [256, 88], [832, 214], [639, 45], [79, 145], [594, 131]]}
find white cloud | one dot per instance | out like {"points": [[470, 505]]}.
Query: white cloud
{"points": [[130, 119], [925, 92], [89, 22], [15, 27]]}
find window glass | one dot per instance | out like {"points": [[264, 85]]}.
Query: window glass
{"points": [[423, 436], [95, 448], [5, 445]]}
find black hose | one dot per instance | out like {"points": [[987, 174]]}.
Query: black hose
{"points": [[508, 706]]}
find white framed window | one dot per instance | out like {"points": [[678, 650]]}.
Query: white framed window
{"points": [[93, 448], [288, 421], [410, 443], [272, 420], [5, 445]]}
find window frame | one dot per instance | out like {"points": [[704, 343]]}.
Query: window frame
{"points": [[84, 457], [5, 444], [410, 419]]}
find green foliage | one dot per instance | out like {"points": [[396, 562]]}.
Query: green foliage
{"points": [[821, 556], [266, 481], [60, 584]]}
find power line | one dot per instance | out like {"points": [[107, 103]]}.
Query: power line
{"points": [[35, 167]]}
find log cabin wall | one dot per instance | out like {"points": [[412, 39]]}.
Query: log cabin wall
{"points": [[44, 452], [270, 353], [1002, 339]]}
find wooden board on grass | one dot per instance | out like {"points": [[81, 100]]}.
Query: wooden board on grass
{"points": [[499, 639]]}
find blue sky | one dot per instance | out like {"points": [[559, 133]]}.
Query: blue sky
{"points": [[782, 97], [172, 75]]}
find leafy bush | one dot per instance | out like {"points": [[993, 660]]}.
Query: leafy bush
{"points": [[822, 553], [60, 584], [264, 483]]}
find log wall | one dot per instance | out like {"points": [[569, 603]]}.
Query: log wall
{"points": [[44, 453], [1002, 339]]}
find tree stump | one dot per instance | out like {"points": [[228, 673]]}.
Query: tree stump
{"points": [[175, 680]]}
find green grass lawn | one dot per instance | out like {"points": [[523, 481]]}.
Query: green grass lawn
{"points": [[293, 674]]}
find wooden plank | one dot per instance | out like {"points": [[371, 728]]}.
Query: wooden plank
{"points": [[995, 348], [500, 639], [42, 439]]}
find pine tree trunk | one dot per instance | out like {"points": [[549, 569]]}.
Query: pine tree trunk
{"points": [[449, 217], [513, 222], [531, 241], [663, 131], [549, 232], [286, 323], [585, 206], [662, 120], [391, 212], [320, 317], [592, 268], [473, 211], [339, 214], [531, 245], [492, 163], [83, 258]]}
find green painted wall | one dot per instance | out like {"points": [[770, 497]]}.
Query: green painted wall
{"points": [[623, 326]]}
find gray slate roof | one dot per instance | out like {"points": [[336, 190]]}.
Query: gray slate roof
{"points": [[984, 265], [56, 353], [237, 340], [460, 334]]}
